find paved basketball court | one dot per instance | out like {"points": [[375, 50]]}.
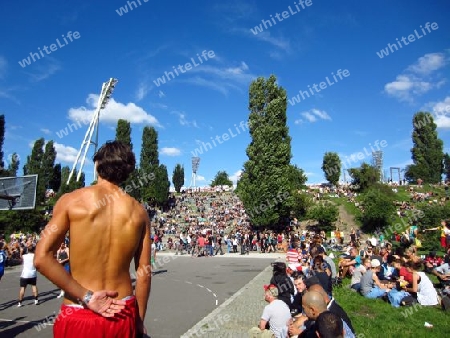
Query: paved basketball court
{"points": [[184, 291]]}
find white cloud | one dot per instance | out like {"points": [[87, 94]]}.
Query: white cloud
{"points": [[183, 121], [441, 112], [416, 79], [170, 151], [313, 115], [279, 42], [236, 73], [200, 178], [142, 91], [161, 94], [236, 176], [44, 68], [112, 113], [46, 131], [428, 64], [65, 153], [3, 67]]}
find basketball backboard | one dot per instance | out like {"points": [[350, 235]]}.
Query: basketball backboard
{"points": [[18, 193]]}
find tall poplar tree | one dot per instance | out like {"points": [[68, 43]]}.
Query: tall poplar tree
{"points": [[149, 161], [123, 134], [447, 167], [41, 162], [161, 185], [266, 176], [331, 167], [427, 151], [2, 140], [178, 177]]}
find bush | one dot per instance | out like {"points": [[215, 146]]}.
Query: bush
{"points": [[325, 214], [378, 205]]}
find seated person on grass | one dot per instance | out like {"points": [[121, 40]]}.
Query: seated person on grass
{"points": [[422, 288], [370, 284], [348, 264], [276, 314], [432, 261], [360, 269], [401, 273], [443, 274]]}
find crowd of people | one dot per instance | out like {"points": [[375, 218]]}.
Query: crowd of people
{"points": [[300, 294]]}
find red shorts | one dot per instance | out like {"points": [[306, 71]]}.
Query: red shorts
{"points": [[443, 242], [74, 322]]}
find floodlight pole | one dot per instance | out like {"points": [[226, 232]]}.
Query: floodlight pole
{"points": [[195, 164], [105, 95]]}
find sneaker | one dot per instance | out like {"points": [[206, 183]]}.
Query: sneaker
{"points": [[19, 305], [36, 302], [61, 294]]}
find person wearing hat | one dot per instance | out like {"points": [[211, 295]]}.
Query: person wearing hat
{"points": [[276, 315], [370, 284]]}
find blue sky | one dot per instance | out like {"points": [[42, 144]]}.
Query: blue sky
{"points": [[306, 47]]}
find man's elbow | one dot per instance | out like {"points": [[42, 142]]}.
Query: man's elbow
{"points": [[38, 261]]}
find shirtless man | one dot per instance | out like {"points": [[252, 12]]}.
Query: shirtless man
{"points": [[108, 229]]}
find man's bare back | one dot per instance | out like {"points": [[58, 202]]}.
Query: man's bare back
{"points": [[104, 221], [108, 229]]}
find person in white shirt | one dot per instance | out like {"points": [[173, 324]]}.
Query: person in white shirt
{"points": [[28, 276]]}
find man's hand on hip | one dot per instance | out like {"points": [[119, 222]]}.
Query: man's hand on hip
{"points": [[103, 303]]}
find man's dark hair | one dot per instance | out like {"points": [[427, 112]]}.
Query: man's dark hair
{"points": [[329, 325], [115, 161]]}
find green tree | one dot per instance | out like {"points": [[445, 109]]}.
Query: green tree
{"points": [[447, 167], [73, 184], [297, 177], [378, 204], [178, 177], [123, 134], [301, 204], [331, 167], [149, 160], [364, 177], [266, 173], [21, 220], [221, 178], [427, 151], [48, 163], [2, 140], [325, 213], [162, 185], [35, 165], [55, 180], [34, 161]]}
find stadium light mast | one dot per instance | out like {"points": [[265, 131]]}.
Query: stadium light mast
{"points": [[195, 164], [105, 95]]}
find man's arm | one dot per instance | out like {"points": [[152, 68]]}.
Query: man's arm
{"points": [[101, 302], [262, 324], [143, 269], [51, 238]]}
